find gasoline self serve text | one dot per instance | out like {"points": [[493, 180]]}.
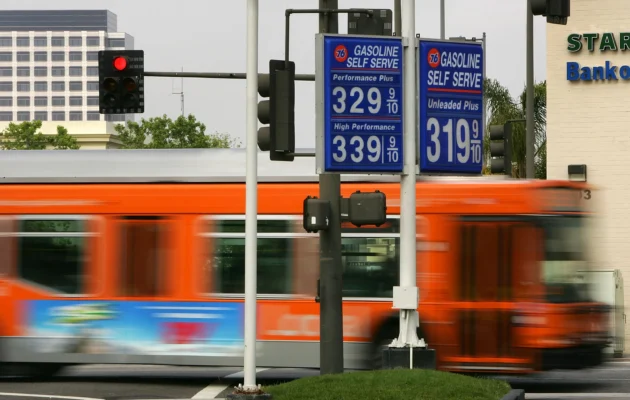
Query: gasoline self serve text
{"points": [[375, 57], [464, 78]]}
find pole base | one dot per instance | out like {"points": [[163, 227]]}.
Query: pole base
{"points": [[248, 396], [399, 357]]}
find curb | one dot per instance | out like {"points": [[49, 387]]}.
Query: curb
{"points": [[514, 394]]}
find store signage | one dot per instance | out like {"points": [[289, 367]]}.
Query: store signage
{"points": [[606, 42]]}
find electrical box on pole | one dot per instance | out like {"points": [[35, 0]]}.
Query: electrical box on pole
{"points": [[379, 23], [556, 11], [121, 81], [367, 208], [278, 111], [501, 149], [316, 214]]}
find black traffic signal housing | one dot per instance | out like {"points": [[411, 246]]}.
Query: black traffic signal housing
{"points": [[278, 111], [121, 81], [556, 11], [367, 208], [501, 149], [379, 23]]}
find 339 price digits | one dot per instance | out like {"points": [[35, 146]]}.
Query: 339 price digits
{"points": [[352, 100], [462, 132], [359, 148]]}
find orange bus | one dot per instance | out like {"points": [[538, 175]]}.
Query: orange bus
{"points": [[137, 256]]}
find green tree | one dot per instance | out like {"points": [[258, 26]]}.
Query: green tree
{"points": [[27, 136], [502, 107], [164, 133]]}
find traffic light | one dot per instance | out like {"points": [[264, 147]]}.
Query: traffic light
{"points": [[501, 149], [556, 11], [278, 111], [121, 81]]}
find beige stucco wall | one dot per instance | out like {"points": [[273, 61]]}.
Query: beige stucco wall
{"points": [[589, 123]]}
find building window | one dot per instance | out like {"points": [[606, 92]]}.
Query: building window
{"points": [[92, 86], [91, 56], [41, 116], [6, 71], [24, 86], [22, 42], [41, 71], [58, 101], [58, 116], [93, 116], [115, 42], [41, 101], [76, 116], [6, 86], [58, 42], [6, 116], [23, 71], [75, 56], [76, 41], [23, 56], [76, 71], [23, 116], [92, 100], [53, 253], [59, 86], [41, 41], [76, 86], [58, 71], [6, 56], [6, 101], [40, 56], [23, 101], [114, 117], [76, 101], [41, 86], [58, 56], [92, 41], [6, 42], [92, 71]]}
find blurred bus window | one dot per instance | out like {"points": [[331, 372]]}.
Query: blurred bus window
{"points": [[52, 253], [143, 256], [6, 246], [274, 256], [565, 257], [370, 258]]}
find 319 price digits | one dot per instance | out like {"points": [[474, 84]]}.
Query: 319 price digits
{"points": [[355, 99], [467, 148]]}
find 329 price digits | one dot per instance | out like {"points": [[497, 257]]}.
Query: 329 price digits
{"points": [[467, 147], [357, 95]]}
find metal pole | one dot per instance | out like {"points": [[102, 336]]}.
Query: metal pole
{"points": [[408, 318], [251, 200], [529, 94], [398, 17], [442, 20], [485, 100], [330, 268]]}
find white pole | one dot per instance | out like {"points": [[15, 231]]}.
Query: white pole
{"points": [[408, 318], [442, 20], [251, 200]]}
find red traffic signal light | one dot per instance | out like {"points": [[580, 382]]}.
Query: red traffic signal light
{"points": [[120, 63]]}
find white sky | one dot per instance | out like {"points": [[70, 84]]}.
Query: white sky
{"points": [[209, 36]]}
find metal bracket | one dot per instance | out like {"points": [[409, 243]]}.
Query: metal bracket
{"points": [[288, 12]]}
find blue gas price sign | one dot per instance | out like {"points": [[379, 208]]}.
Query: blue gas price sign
{"points": [[359, 106], [451, 106]]}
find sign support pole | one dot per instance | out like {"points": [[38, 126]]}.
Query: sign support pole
{"points": [[530, 140], [251, 197], [408, 317], [330, 268]]}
